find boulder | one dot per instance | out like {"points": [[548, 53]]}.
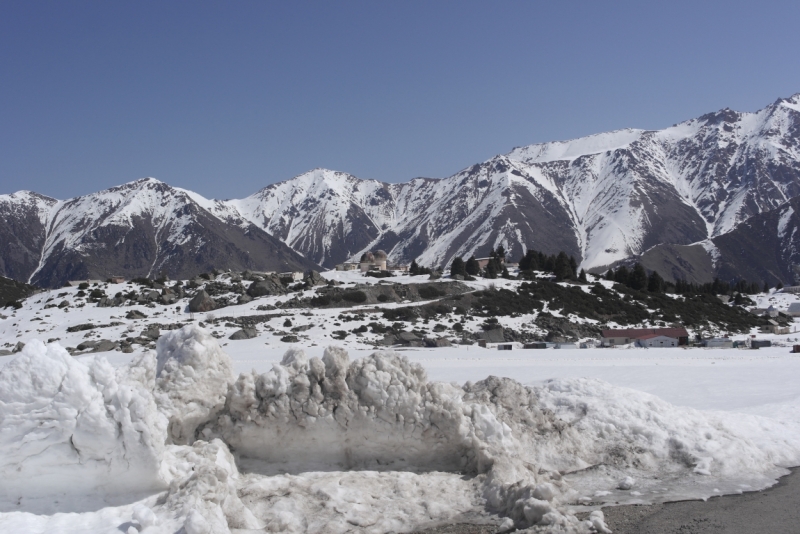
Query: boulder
{"points": [[135, 314], [100, 345], [152, 332], [437, 342], [266, 287], [388, 340], [313, 278], [407, 337], [63, 304], [244, 299], [19, 346], [4, 352], [244, 333], [202, 302]]}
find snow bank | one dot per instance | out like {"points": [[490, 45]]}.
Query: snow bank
{"points": [[75, 434], [326, 444], [193, 379], [672, 452]]}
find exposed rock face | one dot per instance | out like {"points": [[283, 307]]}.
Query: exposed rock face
{"points": [[202, 302], [11, 290]]}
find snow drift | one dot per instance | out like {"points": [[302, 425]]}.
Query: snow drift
{"points": [[330, 445]]}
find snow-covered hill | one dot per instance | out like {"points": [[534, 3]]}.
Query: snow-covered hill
{"points": [[603, 199], [143, 228]]}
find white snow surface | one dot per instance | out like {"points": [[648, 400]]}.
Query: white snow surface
{"points": [[326, 444]]}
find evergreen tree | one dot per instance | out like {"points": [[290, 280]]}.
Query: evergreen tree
{"points": [[638, 278], [573, 264], [621, 275], [457, 268], [582, 276], [491, 270], [562, 268], [655, 284], [414, 269], [527, 261], [610, 275], [472, 267], [766, 287]]}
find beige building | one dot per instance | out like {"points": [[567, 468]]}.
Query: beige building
{"points": [[373, 261]]}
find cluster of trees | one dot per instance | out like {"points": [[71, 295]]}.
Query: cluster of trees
{"points": [[638, 279], [562, 266], [496, 266], [415, 269]]}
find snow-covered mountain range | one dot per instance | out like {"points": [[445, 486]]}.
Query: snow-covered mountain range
{"points": [[605, 198]]}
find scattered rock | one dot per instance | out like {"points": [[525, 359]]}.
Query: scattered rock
{"points": [[289, 339]]}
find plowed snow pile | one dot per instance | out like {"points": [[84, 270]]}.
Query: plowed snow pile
{"points": [[174, 441]]}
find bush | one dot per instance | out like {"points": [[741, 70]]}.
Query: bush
{"points": [[97, 294], [321, 300], [379, 274], [383, 298], [430, 292], [83, 285], [354, 296], [339, 334]]}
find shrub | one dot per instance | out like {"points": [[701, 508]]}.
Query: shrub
{"points": [[83, 285], [354, 296], [430, 292], [379, 274], [383, 298], [321, 300]]}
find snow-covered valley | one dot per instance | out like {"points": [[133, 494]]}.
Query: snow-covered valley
{"points": [[328, 431]]}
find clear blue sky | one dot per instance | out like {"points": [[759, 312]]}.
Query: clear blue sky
{"points": [[224, 98]]}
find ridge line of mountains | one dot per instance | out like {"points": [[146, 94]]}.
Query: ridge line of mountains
{"points": [[716, 196]]}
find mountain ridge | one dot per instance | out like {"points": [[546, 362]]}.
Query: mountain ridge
{"points": [[603, 198]]}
